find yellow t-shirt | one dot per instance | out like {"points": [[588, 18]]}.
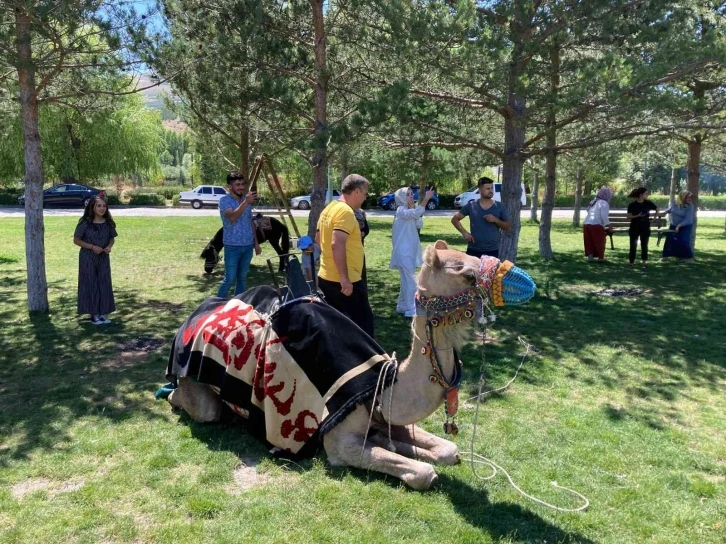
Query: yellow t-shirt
{"points": [[339, 216]]}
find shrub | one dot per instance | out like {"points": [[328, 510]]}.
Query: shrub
{"points": [[9, 196], [147, 199], [167, 191], [175, 201]]}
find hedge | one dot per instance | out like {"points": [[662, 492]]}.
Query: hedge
{"points": [[147, 199], [705, 202], [167, 191], [9, 197]]}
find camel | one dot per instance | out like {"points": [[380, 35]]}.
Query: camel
{"points": [[380, 433]]}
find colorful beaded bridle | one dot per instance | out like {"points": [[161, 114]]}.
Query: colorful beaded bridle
{"points": [[451, 310]]}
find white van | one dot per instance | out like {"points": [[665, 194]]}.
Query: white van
{"points": [[473, 194]]}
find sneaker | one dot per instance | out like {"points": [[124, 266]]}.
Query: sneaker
{"points": [[631, 265], [590, 258], [96, 320], [645, 265], [104, 319]]}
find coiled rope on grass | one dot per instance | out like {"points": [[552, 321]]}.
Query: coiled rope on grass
{"points": [[478, 459]]}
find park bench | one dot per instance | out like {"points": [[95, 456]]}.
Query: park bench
{"points": [[619, 223]]}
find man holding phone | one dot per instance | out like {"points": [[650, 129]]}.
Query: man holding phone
{"points": [[239, 237], [486, 218]]}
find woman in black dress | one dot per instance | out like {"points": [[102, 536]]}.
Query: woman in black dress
{"points": [[95, 235], [638, 213]]}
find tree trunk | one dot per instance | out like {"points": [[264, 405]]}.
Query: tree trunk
{"points": [[515, 122], [534, 197], [344, 163], [320, 158], [34, 229], [512, 176], [425, 164], [578, 197], [674, 183], [548, 202], [587, 188], [244, 151], [694, 175]]}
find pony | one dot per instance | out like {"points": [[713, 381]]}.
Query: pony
{"points": [[267, 229]]}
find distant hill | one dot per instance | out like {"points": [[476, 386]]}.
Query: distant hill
{"points": [[152, 95]]}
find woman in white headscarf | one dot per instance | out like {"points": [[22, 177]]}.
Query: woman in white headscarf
{"points": [[406, 255]]}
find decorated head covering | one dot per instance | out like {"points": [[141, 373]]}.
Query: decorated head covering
{"points": [[509, 284], [401, 197]]}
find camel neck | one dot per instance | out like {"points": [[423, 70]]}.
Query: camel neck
{"points": [[415, 397]]}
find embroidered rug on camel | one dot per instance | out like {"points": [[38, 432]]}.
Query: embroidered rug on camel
{"points": [[294, 372]]}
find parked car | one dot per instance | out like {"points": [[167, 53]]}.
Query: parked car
{"points": [[67, 194], [473, 194], [201, 195], [303, 202], [388, 201]]}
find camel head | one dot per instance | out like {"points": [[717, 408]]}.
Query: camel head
{"points": [[448, 278]]}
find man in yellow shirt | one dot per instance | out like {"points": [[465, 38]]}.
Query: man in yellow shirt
{"points": [[341, 254]]}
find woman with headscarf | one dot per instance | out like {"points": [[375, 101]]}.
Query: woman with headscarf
{"points": [[597, 223], [683, 215], [406, 254]]}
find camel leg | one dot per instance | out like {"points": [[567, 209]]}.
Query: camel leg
{"points": [[198, 400], [418, 444], [426, 446], [344, 445]]}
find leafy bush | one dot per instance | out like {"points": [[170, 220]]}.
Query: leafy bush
{"points": [[175, 201], [167, 191], [147, 199], [9, 196]]}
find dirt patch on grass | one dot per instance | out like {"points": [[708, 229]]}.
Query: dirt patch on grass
{"points": [[132, 351], [165, 306], [140, 344], [248, 476], [52, 488]]}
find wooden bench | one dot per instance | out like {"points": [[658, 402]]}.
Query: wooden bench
{"points": [[619, 223]]}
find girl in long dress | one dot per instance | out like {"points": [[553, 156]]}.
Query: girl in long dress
{"points": [[95, 234], [406, 254]]}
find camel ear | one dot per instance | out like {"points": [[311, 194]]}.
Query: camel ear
{"points": [[431, 257], [440, 244]]}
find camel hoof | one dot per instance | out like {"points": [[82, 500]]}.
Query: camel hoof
{"points": [[422, 481]]}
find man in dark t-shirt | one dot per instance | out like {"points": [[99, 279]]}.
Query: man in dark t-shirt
{"points": [[486, 218]]}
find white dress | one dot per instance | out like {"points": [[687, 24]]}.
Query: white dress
{"points": [[406, 255]]}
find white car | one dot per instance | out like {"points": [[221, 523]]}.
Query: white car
{"points": [[303, 202], [473, 194], [202, 194]]}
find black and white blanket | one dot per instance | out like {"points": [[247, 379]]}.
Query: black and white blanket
{"points": [[294, 371]]}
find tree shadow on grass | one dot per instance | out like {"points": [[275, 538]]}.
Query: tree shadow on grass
{"points": [[60, 368], [503, 520]]}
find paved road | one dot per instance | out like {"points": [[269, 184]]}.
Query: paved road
{"points": [[15, 211]]}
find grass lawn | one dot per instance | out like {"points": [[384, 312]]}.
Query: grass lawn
{"points": [[623, 401]]}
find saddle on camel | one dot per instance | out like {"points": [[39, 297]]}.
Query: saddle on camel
{"points": [[302, 374], [268, 229]]}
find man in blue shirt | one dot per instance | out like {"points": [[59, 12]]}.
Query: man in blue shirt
{"points": [[486, 218], [238, 233]]}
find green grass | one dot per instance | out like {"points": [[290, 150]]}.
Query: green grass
{"points": [[623, 401]]}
